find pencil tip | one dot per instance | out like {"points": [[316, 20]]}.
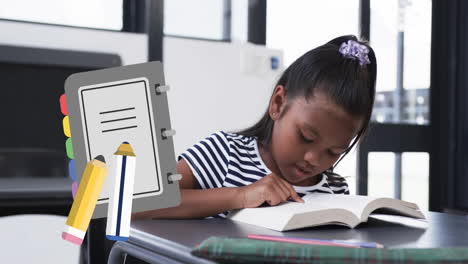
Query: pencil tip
{"points": [[100, 158]]}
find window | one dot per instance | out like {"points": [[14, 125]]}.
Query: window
{"points": [[414, 176], [401, 31], [298, 26], [204, 19], [382, 169]]}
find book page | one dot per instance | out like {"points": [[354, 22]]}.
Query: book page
{"points": [[295, 207], [322, 201], [354, 203], [273, 217], [317, 209], [361, 205], [402, 220]]}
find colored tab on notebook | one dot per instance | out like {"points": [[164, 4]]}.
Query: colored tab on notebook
{"points": [[69, 148], [63, 104], [71, 169], [74, 188], [66, 126]]}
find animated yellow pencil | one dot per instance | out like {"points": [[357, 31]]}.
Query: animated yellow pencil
{"points": [[85, 201]]}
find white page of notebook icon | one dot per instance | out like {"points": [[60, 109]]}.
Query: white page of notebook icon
{"points": [[114, 112]]}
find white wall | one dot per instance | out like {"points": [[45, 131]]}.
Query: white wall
{"points": [[131, 47], [216, 86]]}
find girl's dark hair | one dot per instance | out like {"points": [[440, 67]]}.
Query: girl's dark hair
{"points": [[346, 82]]}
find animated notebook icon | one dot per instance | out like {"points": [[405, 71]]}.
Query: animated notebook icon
{"points": [[129, 103]]}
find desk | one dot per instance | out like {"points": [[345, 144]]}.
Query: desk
{"points": [[170, 241]]}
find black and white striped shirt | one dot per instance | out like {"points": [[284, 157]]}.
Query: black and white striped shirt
{"points": [[232, 160]]}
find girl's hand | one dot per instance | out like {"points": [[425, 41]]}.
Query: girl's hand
{"points": [[271, 189]]}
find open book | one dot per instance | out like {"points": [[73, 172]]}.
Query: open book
{"points": [[323, 209]]}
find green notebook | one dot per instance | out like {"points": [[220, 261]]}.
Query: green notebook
{"points": [[242, 250]]}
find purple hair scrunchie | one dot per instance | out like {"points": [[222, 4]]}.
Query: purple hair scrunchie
{"points": [[355, 50]]}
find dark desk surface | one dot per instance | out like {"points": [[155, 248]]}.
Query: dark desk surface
{"points": [[443, 230], [171, 241]]}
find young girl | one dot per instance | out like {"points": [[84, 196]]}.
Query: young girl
{"points": [[319, 109]]}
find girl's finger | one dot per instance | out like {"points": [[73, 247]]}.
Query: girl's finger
{"points": [[280, 191], [272, 198], [285, 191], [292, 193]]}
